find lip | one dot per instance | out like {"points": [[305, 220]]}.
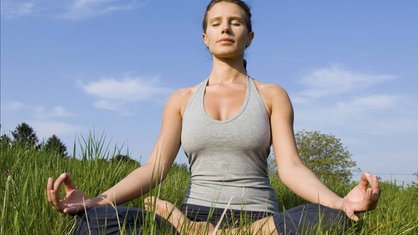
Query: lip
{"points": [[226, 40]]}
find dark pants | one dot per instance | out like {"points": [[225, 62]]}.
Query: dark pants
{"points": [[121, 220], [310, 218], [304, 219]]}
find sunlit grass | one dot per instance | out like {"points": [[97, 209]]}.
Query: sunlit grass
{"points": [[25, 210]]}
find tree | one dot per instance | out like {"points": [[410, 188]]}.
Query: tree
{"points": [[25, 136], [5, 142], [326, 156], [54, 144], [123, 158]]}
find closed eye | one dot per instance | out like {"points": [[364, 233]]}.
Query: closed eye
{"points": [[236, 23]]}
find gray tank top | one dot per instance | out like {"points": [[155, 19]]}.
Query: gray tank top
{"points": [[228, 159]]}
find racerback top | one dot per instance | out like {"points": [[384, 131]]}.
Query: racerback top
{"points": [[228, 159]]}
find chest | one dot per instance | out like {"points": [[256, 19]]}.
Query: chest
{"points": [[234, 119], [222, 102]]}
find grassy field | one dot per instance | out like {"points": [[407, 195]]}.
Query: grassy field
{"points": [[25, 210]]}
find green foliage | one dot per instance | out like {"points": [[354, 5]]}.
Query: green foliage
{"points": [[96, 146], [326, 156], [123, 158], [25, 136], [5, 141], [54, 144], [25, 210]]}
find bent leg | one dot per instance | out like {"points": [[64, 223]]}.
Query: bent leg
{"points": [[119, 220], [173, 215], [310, 218]]}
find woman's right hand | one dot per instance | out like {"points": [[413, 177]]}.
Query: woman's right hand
{"points": [[74, 200]]}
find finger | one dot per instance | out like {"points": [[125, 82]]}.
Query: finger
{"points": [[49, 188], [59, 181], [68, 183], [50, 183], [350, 214], [54, 199], [72, 210], [149, 202], [364, 181], [375, 198], [355, 218], [369, 193], [374, 191], [367, 198], [54, 192], [374, 183], [368, 203]]}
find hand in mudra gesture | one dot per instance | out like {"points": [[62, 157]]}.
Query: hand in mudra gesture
{"points": [[362, 197], [74, 200]]}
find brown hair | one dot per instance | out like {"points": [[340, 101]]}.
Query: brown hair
{"points": [[240, 3]]}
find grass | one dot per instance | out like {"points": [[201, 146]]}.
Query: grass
{"points": [[25, 210]]}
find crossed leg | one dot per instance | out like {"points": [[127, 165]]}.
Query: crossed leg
{"points": [[172, 214]]}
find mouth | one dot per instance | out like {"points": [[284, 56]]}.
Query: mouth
{"points": [[226, 41]]}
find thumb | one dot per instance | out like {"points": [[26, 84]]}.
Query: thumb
{"points": [[350, 214], [74, 209]]}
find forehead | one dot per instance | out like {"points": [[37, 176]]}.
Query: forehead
{"points": [[225, 9]]}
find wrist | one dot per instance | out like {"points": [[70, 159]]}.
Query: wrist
{"points": [[99, 201], [339, 203]]}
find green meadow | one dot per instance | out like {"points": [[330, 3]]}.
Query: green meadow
{"points": [[25, 210]]}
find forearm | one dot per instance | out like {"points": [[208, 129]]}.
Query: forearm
{"points": [[137, 183], [306, 184]]}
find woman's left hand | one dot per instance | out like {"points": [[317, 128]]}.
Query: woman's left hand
{"points": [[362, 198]]}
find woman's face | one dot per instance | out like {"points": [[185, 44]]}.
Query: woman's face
{"points": [[226, 34]]}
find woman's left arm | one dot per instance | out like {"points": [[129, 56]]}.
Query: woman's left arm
{"points": [[295, 175]]}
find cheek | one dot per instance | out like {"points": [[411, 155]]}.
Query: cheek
{"points": [[208, 40]]}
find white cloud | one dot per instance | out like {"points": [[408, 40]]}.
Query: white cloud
{"points": [[377, 125], [338, 99], [37, 111], [46, 121], [16, 8], [44, 130], [15, 105], [41, 112], [119, 94], [80, 9], [337, 80], [368, 103], [70, 9]]}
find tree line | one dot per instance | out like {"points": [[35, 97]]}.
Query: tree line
{"points": [[324, 154], [25, 137]]}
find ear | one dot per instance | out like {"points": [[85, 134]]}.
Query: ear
{"points": [[250, 38], [205, 39]]}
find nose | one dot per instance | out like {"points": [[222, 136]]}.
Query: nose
{"points": [[226, 28]]}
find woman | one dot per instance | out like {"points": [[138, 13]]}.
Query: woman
{"points": [[226, 125]]}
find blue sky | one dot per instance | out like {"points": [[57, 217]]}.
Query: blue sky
{"points": [[76, 66]]}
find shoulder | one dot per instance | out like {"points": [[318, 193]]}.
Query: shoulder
{"points": [[180, 98], [273, 95], [270, 90]]}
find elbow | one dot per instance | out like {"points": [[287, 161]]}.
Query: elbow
{"points": [[156, 172], [289, 170]]}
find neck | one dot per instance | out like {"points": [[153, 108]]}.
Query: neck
{"points": [[224, 72]]}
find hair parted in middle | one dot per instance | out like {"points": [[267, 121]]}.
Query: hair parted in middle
{"points": [[240, 3]]}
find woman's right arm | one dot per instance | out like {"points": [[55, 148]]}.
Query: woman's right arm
{"points": [[139, 181]]}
